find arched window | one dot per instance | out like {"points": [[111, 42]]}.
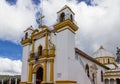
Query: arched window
{"points": [[111, 81], [62, 17], [106, 81], [40, 50], [102, 76], [26, 35], [71, 17], [87, 69]]}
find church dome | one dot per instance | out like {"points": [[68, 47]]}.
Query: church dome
{"points": [[101, 52]]}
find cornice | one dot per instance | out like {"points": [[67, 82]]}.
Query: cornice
{"points": [[65, 23], [40, 34], [28, 40]]}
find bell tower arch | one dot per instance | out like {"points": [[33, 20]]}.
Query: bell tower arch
{"points": [[64, 14]]}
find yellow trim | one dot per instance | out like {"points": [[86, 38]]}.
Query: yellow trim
{"points": [[42, 26], [66, 23], [45, 71], [66, 82], [33, 70], [105, 57], [51, 70], [35, 31], [23, 82], [112, 73], [26, 41], [52, 52], [65, 29], [40, 34], [33, 44], [46, 41], [104, 60], [29, 83], [30, 73], [45, 53]]}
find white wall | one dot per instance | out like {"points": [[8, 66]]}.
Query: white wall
{"points": [[61, 62], [25, 65], [66, 67], [39, 42], [90, 63]]}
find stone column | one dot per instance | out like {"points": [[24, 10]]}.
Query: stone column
{"points": [[33, 44], [51, 70], [44, 71], [30, 73]]}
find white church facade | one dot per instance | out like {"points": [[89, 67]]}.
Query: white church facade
{"points": [[50, 56]]}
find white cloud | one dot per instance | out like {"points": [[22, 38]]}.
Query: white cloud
{"points": [[10, 67], [15, 19], [98, 25]]}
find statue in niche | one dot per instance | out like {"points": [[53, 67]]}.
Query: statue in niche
{"points": [[51, 45]]}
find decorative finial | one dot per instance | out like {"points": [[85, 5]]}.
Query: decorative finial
{"points": [[101, 47]]}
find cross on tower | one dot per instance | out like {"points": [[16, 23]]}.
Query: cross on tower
{"points": [[41, 23], [41, 19]]}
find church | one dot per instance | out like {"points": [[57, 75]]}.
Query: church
{"points": [[50, 56]]}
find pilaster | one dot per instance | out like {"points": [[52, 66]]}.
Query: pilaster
{"points": [[30, 73], [45, 72], [51, 70]]}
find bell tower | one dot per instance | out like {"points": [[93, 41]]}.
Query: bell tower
{"points": [[64, 14], [65, 48], [65, 17]]}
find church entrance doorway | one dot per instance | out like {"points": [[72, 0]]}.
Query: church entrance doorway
{"points": [[39, 75], [118, 81]]}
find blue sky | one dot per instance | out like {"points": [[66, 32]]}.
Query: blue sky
{"points": [[12, 50]]}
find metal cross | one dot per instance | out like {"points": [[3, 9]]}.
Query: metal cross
{"points": [[41, 19]]}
